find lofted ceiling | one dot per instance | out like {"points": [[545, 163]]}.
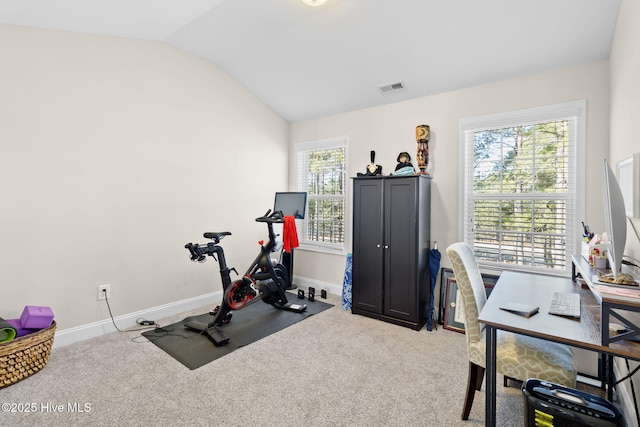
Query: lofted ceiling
{"points": [[307, 62]]}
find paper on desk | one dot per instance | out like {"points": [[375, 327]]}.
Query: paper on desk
{"points": [[613, 290]]}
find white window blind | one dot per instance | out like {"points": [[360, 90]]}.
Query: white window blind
{"points": [[320, 170], [522, 196]]}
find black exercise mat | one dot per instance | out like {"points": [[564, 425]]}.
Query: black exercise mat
{"points": [[256, 321]]}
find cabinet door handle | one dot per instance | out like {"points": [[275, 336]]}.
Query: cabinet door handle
{"points": [[386, 246], [377, 246]]}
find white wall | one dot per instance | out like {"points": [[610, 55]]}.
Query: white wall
{"points": [[390, 129], [625, 113], [625, 97], [114, 153]]}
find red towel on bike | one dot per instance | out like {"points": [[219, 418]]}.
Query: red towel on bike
{"points": [[290, 234]]}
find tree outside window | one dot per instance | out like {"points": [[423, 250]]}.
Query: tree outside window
{"points": [[520, 192], [321, 172]]}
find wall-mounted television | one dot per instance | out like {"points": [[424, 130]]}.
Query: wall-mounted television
{"points": [[291, 203]]}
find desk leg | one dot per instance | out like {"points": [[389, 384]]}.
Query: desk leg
{"points": [[609, 378], [606, 359], [490, 371]]}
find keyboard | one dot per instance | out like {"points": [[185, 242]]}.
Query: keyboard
{"points": [[565, 304]]}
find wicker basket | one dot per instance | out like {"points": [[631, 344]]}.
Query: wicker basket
{"points": [[25, 356]]}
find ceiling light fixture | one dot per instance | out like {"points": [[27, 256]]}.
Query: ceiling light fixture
{"points": [[314, 2]]}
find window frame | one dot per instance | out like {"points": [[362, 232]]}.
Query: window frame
{"points": [[573, 111], [318, 145]]}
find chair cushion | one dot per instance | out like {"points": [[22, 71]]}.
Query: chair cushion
{"points": [[522, 357]]}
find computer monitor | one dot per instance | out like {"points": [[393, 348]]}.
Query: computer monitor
{"points": [[291, 203], [615, 220]]}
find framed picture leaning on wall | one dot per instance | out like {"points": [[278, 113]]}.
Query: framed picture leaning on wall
{"points": [[451, 312]]}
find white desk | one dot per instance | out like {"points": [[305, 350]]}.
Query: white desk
{"points": [[538, 290]]}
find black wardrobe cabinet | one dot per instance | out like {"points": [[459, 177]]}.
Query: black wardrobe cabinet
{"points": [[391, 242]]}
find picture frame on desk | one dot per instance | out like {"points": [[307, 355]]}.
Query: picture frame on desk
{"points": [[450, 299]]}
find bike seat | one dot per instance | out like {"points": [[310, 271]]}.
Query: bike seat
{"points": [[216, 236]]}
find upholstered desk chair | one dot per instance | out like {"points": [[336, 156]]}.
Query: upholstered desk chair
{"points": [[518, 357]]}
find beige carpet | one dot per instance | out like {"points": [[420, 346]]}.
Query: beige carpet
{"points": [[333, 369]]}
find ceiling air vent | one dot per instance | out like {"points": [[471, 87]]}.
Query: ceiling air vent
{"points": [[391, 87]]}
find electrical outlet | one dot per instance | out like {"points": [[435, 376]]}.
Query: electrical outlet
{"points": [[104, 292]]}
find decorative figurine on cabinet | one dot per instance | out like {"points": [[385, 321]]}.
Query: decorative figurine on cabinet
{"points": [[423, 133], [372, 169], [404, 166]]}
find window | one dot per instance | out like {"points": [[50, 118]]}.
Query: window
{"points": [[320, 170], [522, 187]]}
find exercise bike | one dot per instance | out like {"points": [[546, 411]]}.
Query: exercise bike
{"points": [[262, 281]]}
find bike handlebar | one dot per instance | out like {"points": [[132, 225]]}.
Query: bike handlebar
{"points": [[275, 217], [199, 253], [196, 253]]}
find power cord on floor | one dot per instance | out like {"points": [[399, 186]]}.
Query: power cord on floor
{"points": [[140, 321], [164, 331], [106, 299]]}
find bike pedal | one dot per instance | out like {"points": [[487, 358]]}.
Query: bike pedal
{"points": [[217, 336], [195, 325]]}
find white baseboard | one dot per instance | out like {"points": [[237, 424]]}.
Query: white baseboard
{"points": [[95, 329], [91, 330], [304, 282]]}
